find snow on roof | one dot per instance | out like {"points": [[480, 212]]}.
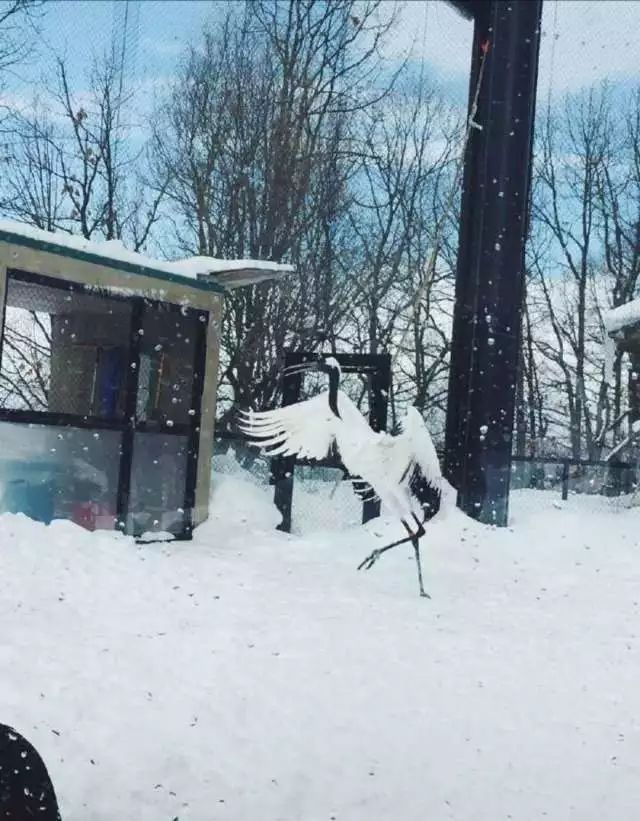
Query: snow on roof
{"points": [[623, 316], [205, 270], [232, 273]]}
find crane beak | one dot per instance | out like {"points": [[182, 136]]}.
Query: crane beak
{"points": [[301, 367]]}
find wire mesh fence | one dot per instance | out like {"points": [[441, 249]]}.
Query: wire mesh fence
{"points": [[323, 498], [573, 476]]}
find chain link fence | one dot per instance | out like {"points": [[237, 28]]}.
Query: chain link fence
{"points": [[322, 498]]}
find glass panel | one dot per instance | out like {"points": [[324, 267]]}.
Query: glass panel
{"points": [[49, 472], [167, 351], [63, 351], [158, 482]]}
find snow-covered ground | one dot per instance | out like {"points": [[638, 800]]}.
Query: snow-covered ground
{"points": [[254, 676]]}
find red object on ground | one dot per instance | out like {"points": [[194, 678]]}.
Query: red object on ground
{"points": [[93, 516]]}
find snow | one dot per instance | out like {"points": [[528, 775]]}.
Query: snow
{"points": [[623, 316], [255, 675], [198, 266], [191, 268]]}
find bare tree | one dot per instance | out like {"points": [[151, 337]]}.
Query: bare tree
{"points": [[572, 149], [259, 141], [18, 20], [618, 203], [405, 167], [70, 165], [583, 258], [532, 406], [18, 24], [26, 360]]}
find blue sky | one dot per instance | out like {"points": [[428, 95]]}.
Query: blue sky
{"points": [[582, 40], [158, 31]]}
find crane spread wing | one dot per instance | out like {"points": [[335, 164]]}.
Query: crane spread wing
{"points": [[392, 458], [421, 446], [424, 474], [306, 429], [311, 430], [403, 469]]}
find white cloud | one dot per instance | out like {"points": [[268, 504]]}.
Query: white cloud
{"points": [[434, 30], [593, 41], [582, 41]]}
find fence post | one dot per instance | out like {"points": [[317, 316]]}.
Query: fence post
{"points": [[380, 384], [565, 480]]}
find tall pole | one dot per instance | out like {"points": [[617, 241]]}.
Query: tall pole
{"points": [[490, 272]]}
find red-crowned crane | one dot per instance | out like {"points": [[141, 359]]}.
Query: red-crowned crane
{"points": [[402, 471]]}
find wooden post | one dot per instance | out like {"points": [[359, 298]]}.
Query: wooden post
{"points": [[489, 282], [565, 480], [378, 411], [282, 467]]}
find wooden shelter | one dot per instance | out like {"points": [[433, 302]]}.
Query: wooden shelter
{"points": [[108, 377]]}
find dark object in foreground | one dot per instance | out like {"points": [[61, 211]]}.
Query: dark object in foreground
{"points": [[26, 790]]}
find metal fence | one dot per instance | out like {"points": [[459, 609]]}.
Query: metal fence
{"points": [[312, 496], [320, 496], [586, 476]]}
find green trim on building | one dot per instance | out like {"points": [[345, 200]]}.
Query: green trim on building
{"points": [[106, 262]]}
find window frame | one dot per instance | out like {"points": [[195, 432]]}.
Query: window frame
{"points": [[128, 425]]}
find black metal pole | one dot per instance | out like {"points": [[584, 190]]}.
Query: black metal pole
{"points": [[490, 274], [200, 324]]}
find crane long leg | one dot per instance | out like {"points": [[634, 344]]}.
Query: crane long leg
{"points": [[420, 531], [415, 541], [416, 548], [373, 557], [414, 538]]}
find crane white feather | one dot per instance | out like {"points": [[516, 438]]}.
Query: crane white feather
{"points": [[402, 471], [310, 430]]}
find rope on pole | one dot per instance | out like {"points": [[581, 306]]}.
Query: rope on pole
{"points": [[431, 264]]}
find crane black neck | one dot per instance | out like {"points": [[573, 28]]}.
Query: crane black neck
{"points": [[334, 384]]}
